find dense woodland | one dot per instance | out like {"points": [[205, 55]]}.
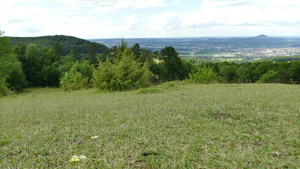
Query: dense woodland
{"points": [[68, 43], [71, 63]]}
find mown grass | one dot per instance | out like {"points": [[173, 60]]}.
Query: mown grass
{"points": [[190, 126]]}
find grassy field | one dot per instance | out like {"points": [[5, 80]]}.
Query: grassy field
{"points": [[172, 126]]}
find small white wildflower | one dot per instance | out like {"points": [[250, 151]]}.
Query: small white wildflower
{"points": [[76, 158], [82, 157], [275, 153], [94, 137]]}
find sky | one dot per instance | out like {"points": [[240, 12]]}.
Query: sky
{"points": [[98, 19]]}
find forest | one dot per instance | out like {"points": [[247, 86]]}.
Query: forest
{"points": [[72, 64], [68, 43]]}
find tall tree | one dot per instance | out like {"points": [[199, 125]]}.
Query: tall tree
{"points": [[294, 72], [172, 64], [136, 50], [93, 48], [11, 73], [75, 55], [32, 66], [57, 51]]}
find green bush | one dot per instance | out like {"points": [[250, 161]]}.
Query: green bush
{"points": [[3, 88], [79, 76], [202, 75], [268, 77], [124, 74], [74, 81]]}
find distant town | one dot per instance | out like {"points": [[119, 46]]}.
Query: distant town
{"points": [[258, 52], [248, 48]]}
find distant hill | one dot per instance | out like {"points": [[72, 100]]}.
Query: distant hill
{"points": [[68, 43], [262, 36]]}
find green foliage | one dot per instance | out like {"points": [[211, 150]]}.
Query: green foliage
{"points": [[78, 76], [51, 75], [170, 85], [294, 72], [124, 74], [3, 88], [228, 74], [11, 73], [172, 66], [251, 72], [16, 80], [32, 65], [202, 75], [57, 51], [145, 55], [103, 76], [136, 50], [5, 50], [68, 43], [93, 48], [268, 77], [74, 81], [245, 72]]}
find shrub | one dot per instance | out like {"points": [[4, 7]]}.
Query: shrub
{"points": [[77, 77], [268, 77], [3, 88], [202, 75], [124, 74], [74, 81]]}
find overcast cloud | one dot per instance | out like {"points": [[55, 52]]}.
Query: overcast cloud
{"points": [[150, 18]]}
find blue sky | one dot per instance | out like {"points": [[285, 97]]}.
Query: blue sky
{"points": [[92, 19]]}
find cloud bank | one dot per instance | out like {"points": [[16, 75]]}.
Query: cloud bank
{"points": [[150, 18], [231, 13]]}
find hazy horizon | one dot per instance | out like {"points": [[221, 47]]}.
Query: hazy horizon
{"points": [[161, 37]]}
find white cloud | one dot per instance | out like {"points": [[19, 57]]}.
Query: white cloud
{"points": [[27, 20], [166, 21], [177, 2], [132, 23], [231, 13], [108, 6], [105, 18]]}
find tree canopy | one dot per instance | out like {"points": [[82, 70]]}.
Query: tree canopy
{"points": [[68, 43]]}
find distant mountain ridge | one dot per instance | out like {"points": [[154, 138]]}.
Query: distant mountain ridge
{"points": [[68, 43]]}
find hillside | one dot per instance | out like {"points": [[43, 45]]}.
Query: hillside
{"points": [[68, 43], [182, 126]]}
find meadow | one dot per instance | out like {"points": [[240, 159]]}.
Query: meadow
{"points": [[168, 126]]}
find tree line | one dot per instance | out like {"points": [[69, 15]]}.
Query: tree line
{"points": [[123, 68], [287, 72]]}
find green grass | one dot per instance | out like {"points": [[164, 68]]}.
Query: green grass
{"points": [[185, 126]]}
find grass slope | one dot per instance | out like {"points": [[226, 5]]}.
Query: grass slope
{"points": [[190, 126]]}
